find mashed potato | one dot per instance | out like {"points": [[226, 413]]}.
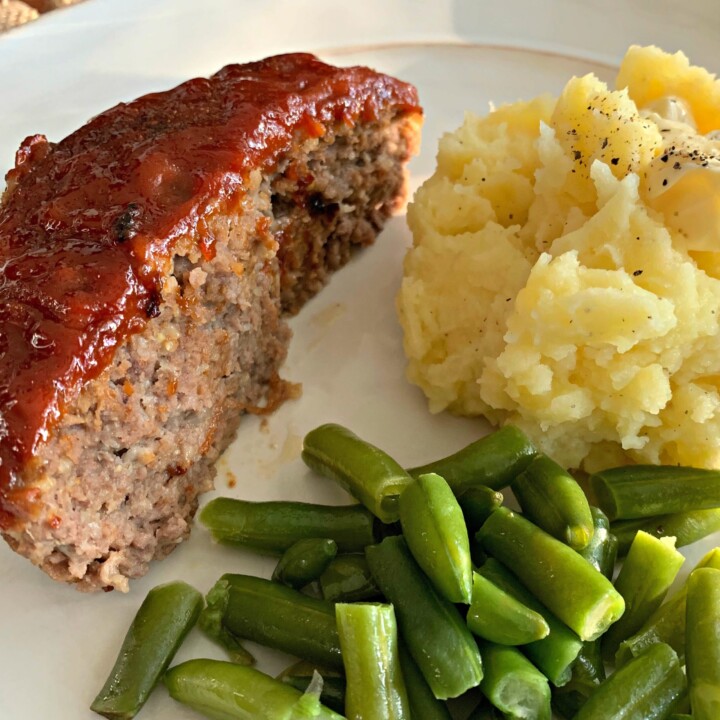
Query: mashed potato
{"points": [[565, 274]]}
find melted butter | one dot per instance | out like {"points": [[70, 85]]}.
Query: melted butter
{"points": [[683, 181], [673, 110], [685, 150]]}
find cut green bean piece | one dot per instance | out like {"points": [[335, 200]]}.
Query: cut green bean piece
{"points": [[561, 579], [647, 688], [686, 527], [667, 623], [513, 684], [477, 504], [375, 685], [638, 491], [423, 704], [703, 643], [332, 694], [302, 673], [273, 527], [646, 575], [226, 691], [366, 472], [626, 530], [211, 623], [435, 633], [497, 616], [348, 579], [493, 461], [277, 616], [589, 668], [304, 561], [165, 617], [588, 672], [435, 531], [552, 499], [601, 551], [555, 654]]}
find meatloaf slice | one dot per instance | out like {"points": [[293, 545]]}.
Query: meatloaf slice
{"points": [[148, 261]]}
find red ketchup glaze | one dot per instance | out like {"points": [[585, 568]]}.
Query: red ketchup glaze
{"points": [[90, 223]]}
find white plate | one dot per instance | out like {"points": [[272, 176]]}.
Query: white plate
{"points": [[56, 646]]}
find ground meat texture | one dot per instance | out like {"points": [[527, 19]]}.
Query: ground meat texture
{"points": [[117, 482]]}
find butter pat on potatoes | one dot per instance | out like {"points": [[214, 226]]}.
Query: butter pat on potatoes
{"points": [[565, 272]]}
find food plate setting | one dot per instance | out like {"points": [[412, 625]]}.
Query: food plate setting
{"points": [[550, 289]]}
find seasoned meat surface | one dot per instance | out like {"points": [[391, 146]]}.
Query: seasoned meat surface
{"points": [[149, 258]]}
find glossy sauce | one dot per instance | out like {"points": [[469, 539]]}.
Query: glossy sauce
{"points": [[89, 225]]}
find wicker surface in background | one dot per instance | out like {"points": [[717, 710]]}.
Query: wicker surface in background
{"points": [[14, 13]]}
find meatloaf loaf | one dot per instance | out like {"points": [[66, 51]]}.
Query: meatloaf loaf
{"points": [[148, 260]]}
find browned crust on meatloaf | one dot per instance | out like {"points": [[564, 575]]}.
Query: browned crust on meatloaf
{"points": [[89, 225], [121, 475]]}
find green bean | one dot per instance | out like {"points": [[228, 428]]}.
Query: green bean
{"points": [[423, 704], [273, 527], [304, 561], [366, 472], [431, 626], [348, 579], [703, 643], [667, 623], [211, 623], [277, 616], [601, 551], [165, 617], [555, 654], [588, 672], [226, 691], [494, 461], [375, 685], [686, 527], [680, 716], [513, 684], [646, 688], [497, 616], [647, 574], [302, 673], [477, 504], [589, 668], [332, 694], [639, 491], [561, 579], [551, 498], [434, 529]]}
